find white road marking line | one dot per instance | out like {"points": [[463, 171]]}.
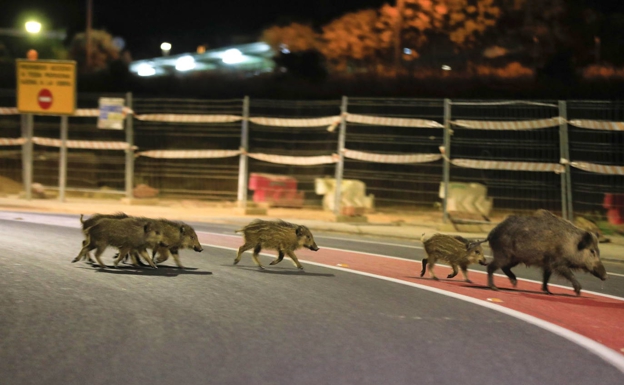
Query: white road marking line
{"points": [[611, 356], [373, 242]]}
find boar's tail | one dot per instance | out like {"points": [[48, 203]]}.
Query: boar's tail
{"points": [[81, 221], [238, 231]]}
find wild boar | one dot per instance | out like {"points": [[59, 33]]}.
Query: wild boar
{"points": [[547, 241], [92, 221], [454, 250], [275, 235], [128, 235], [176, 235]]}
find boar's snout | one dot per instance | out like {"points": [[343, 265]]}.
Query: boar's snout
{"points": [[198, 249], [600, 272], [314, 247], [483, 262]]}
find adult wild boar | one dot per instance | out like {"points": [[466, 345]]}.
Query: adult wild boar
{"points": [[547, 241], [279, 235]]}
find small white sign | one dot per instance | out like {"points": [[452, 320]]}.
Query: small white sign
{"points": [[111, 114]]}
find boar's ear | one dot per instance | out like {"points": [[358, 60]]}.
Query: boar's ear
{"points": [[299, 231], [181, 229], [147, 227], [586, 241]]}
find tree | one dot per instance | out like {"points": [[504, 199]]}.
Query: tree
{"points": [[294, 37], [354, 40], [103, 51]]}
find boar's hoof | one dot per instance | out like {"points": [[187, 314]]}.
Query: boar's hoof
{"points": [[493, 288], [300, 268], [514, 282], [435, 278], [451, 276], [235, 262], [468, 281]]}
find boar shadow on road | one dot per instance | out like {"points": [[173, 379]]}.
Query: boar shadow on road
{"points": [[278, 271], [162, 271]]}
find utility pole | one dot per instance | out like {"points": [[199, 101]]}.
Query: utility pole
{"points": [[88, 33], [400, 4]]}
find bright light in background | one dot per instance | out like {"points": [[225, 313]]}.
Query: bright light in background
{"points": [[232, 56], [146, 70], [407, 51], [185, 63], [284, 48], [165, 46], [33, 26], [446, 68]]}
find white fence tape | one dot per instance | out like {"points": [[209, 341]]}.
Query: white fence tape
{"points": [[394, 159], [296, 160], [188, 118], [597, 124], [303, 122], [189, 154], [83, 144], [394, 122], [598, 168], [509, 125], [505, 165], [12, 141]]}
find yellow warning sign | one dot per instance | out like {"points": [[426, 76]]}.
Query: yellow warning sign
{"points": [[46, 87]]}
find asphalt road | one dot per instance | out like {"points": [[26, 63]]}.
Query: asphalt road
{"points": [[214, 323]]}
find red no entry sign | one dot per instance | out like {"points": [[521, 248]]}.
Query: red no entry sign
{"points": [[44, 98]]}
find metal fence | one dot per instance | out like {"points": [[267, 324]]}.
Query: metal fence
{"points": [[564, 157]]}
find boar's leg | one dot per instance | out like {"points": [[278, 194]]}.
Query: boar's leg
{"points": [[424, 266], [565, 272], [547, 274], [98, 253], [512, 277], [144, 255], [454, 273], [464, 270], [292, 256], [432, 262], [123, 252], [256, 251], [278, 259], [176, 258], [241, 250], [492, 267], [161, 258]]}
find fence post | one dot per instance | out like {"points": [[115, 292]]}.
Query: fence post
{"points": [[63, 159], [341, 145], [446, 157], [566, 177], [130, 149], [27, 154], [243, 167]]}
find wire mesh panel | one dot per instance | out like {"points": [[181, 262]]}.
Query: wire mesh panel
{"points": [[89, 170], [185, 126], [396, 127], [596, 143], [290, 150], [10, 146], [510, 147]]}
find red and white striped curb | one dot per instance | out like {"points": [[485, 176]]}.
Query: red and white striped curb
{"points": [[394, 159]]}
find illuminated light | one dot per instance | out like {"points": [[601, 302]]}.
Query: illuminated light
{"points": [[33, 27], [232, 56], [201, 49], [446, 68], [185, 63], [165, 46], [146, 70], [407, 51], [285, 50]]}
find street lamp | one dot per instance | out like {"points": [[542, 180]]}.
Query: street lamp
{"points": [[33, 27], [165, 47]]}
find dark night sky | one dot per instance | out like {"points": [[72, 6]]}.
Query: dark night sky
{"points": [[184, 23], [188, 23]]}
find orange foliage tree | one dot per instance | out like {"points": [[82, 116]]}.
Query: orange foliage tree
{"points": [[296, 37]]}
